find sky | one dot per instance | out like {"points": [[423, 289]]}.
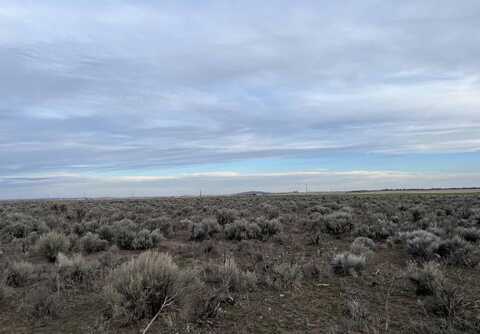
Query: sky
{"points": [[155, 98]]}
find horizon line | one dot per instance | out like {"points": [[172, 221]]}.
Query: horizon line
{"points": [[249, 193]]}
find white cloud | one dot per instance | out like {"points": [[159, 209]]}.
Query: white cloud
{"points": [[109, 88], [215, 183]]}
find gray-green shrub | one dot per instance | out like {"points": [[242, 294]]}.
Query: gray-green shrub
{"points": [[145, 239], [106, 232], [50, 244], [125, 232], [75, 271], [199, 231], [362, 245], [229, 276], [41, 303], [338, 222], [269, 227], [91, 243], [421, 243], [286, 275], [242, 230], [226, 216], [19, 273], [470, 234], [138, 288], [427, 278], [348, 264], [457, 251], [379, 230], [162, 223]]}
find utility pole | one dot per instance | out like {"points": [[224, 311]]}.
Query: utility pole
{"points": [[306, 188]]}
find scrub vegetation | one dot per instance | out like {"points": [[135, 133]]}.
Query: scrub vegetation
{"points": [[338, 263]]}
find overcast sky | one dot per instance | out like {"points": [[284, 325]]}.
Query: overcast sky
{"points": [[121, 98]]}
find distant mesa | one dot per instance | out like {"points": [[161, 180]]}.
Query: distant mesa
{"points": [[253, 193]]}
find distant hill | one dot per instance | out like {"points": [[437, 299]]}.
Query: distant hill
{"points": [[253, 193]]}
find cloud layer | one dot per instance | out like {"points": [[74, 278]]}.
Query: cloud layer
{"points": [[226, 182], [140, 87]]}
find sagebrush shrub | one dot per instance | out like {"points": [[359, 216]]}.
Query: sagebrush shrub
{"points": [[287, 219], [19, 225], [457, 251], [212, 224], [475, 216], [438, 231], [106, 232], [441, 297], [447, 301], [379, 230], [471, 234], [5, 291], [226, 216], [16, 230], [319, 209], [312, 270], [156, 236], [110, 258], [270, 211], [362, 245], [242, 230], [50, 244], [287, 275], [269, 227], [91, 243], [364, 242], [427, 279], [417, 213], [348, 264], [32, 238], [41, 303], [145, 239], [229, 276], [125, 232], [338, 222], [199, 231], [138, 288], [163, 224], [356, 319], [75, 271], [357, 311], [204, 304], [19, 273], [79, 229], [421, 243]]}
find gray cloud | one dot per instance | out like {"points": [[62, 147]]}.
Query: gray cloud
{"points": [[116, 86]]}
